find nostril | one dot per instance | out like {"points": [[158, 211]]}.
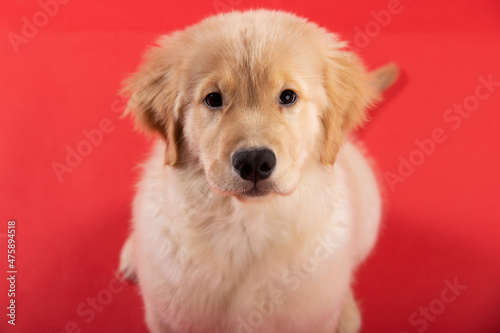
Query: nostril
{"points": [[266, 163], [247, 171], [254, 164], [265, 167], [243, 163]]}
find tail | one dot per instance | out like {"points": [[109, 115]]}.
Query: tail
{"points": [[385, 76]]}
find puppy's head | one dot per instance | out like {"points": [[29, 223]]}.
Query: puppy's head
{"points": [[254, 98]]}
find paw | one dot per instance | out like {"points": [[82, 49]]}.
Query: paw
{"points": [[127, 263], [350, 317]]}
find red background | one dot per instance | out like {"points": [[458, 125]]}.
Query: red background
{"points": [[441, 223]]}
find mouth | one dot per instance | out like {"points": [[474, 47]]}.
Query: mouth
{"points": [[253, 195], [246, 190], [255, 192]]}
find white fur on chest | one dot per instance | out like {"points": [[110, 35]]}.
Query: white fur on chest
{"points": [[209, 263]]}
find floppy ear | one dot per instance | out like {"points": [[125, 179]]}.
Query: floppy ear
{"points": [[154, 94], [349, 92]]}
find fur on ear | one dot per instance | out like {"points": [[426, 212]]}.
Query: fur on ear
{"points": [[349, 92], [154, 94]]}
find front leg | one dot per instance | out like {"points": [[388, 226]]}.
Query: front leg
{"points": [[350, 316], [154, 322], [127, 262], [346, 320]]}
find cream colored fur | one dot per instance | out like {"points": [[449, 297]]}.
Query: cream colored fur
{"points": [[210, 258]]}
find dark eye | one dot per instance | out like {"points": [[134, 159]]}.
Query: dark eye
{"points": [[213, 100], [288, 97]]}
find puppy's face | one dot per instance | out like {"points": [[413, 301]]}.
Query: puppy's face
{"points": [[254, 116], [253, 97]]}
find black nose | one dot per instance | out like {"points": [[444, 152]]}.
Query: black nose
{"points": [[254, 164]]}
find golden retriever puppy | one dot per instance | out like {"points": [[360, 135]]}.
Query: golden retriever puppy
{"points": [[253, 210]]}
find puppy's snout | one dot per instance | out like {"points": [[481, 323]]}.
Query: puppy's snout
{"points": [[254, 164]]}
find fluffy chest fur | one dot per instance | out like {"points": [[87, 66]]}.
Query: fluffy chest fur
{"points": [[217, 261]]}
